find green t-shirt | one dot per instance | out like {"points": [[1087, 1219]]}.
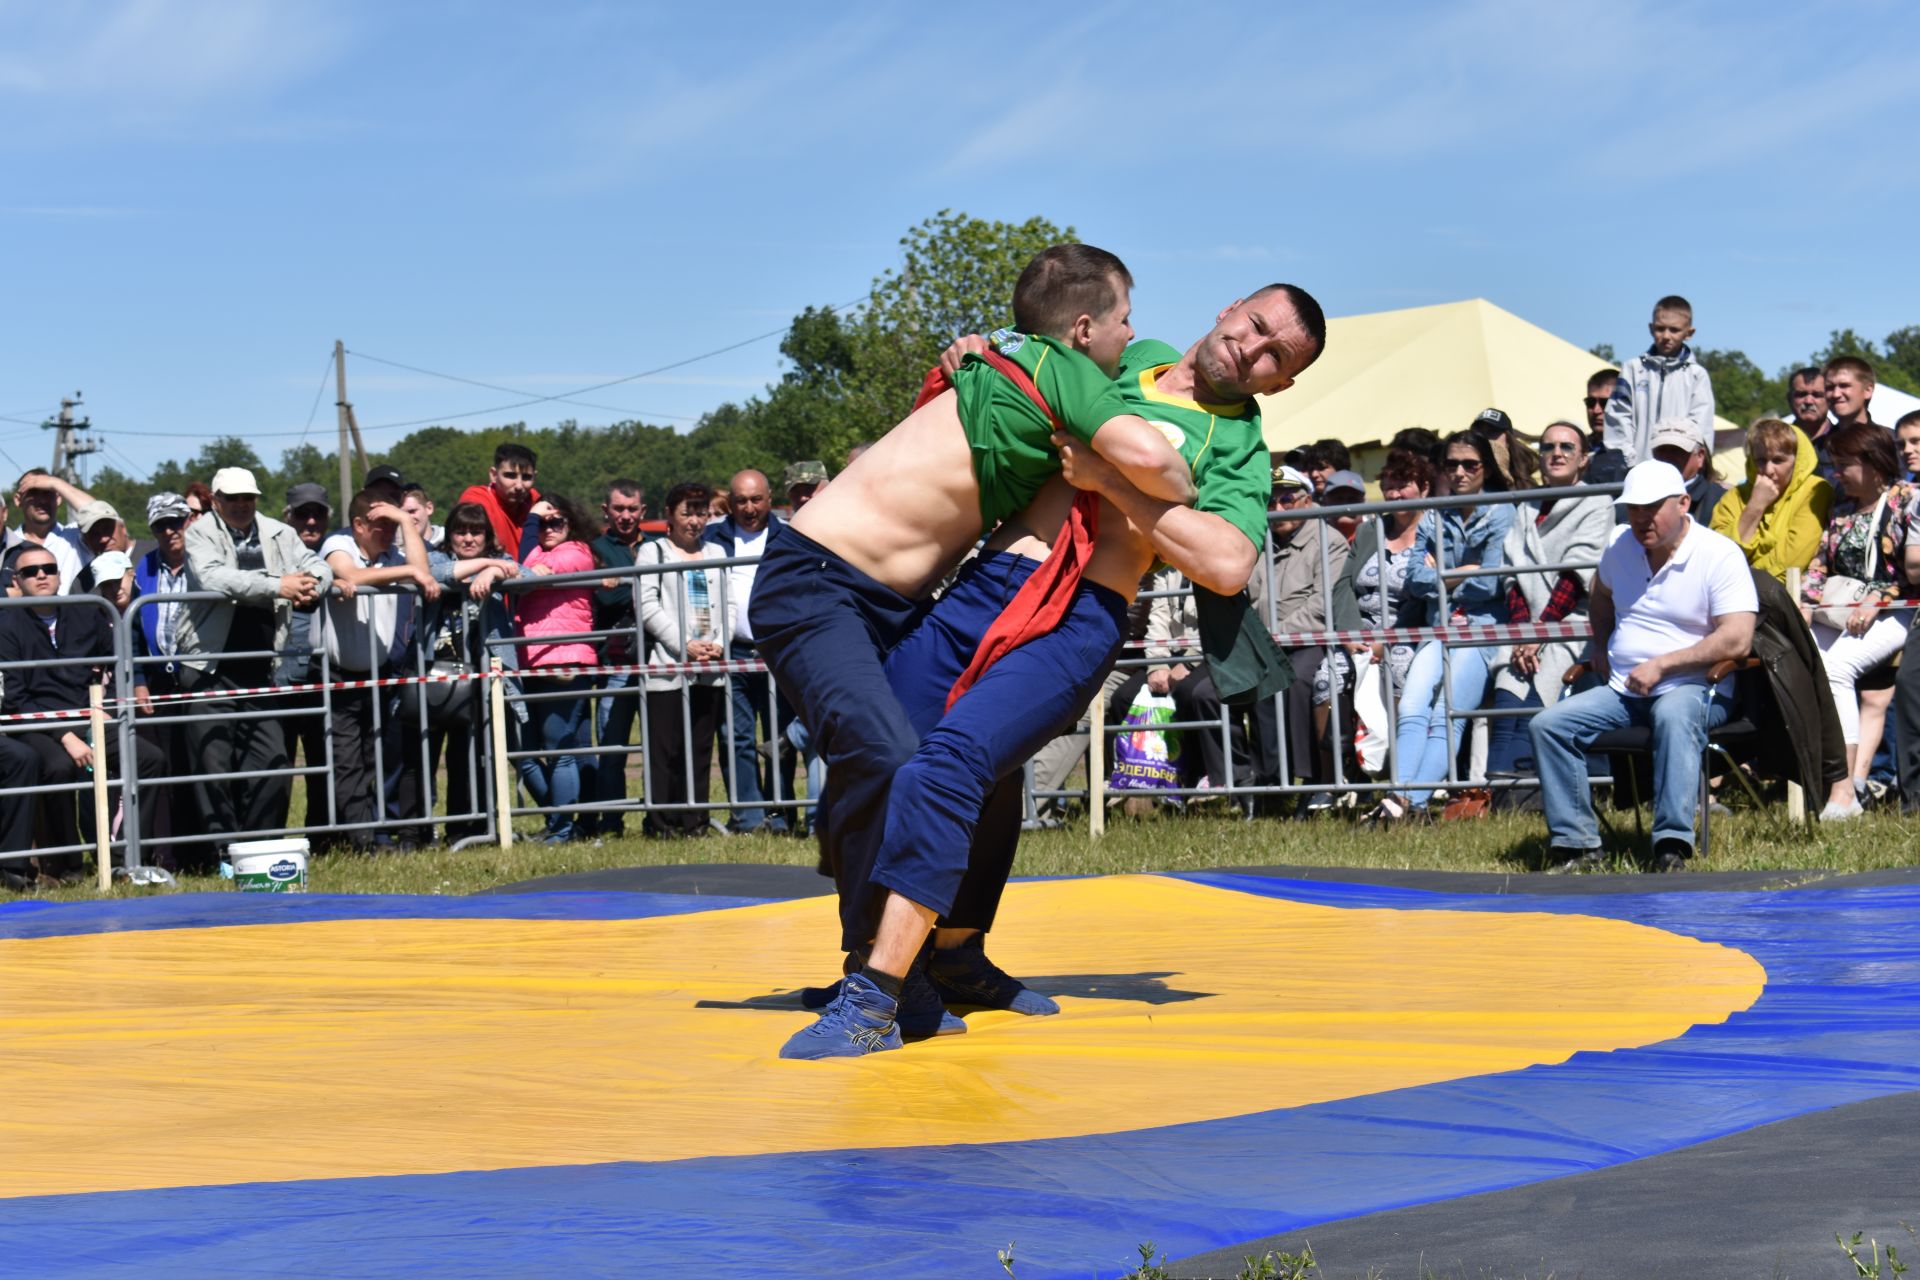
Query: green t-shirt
{"points": [[1221, 443], [1012, 457]]}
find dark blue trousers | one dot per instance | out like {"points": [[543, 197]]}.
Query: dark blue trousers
{"points": [[1024, 700], [824, 629]]}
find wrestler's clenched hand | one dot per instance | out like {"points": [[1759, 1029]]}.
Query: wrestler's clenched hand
{"points": [[1083, 468]]}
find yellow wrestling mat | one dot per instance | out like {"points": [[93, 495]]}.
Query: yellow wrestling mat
{"points": [[342, 1048]]}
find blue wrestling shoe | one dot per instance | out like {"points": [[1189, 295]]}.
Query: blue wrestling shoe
{"points": [[922, 1012], [860, 1021], [964, 975]]}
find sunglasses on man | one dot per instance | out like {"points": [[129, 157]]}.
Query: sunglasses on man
{"points": [[36, 570]]}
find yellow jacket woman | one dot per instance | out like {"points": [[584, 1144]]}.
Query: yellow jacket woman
{"points": [[1780, 514]]}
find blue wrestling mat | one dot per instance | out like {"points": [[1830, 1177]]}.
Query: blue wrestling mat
{"points": [[564, 1084]]}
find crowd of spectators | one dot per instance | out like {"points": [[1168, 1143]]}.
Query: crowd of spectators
{"points": [[224, 720]]}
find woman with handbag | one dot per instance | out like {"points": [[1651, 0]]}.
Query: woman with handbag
{"points": [[686, 618], [1371, 596], [1453, 678], [455, 626], [1861, 566]]}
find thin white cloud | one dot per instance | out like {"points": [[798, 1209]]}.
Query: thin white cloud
{"points": [[147, 63]]}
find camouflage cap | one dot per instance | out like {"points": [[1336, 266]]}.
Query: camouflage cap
{"points": [[808, 472]]}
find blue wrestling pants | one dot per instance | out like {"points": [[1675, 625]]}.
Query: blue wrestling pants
{"points": [[1027, 698]]}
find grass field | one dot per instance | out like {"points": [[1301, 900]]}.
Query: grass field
{"points": [[1744, 840]]}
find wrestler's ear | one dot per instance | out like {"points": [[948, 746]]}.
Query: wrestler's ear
{"points": [[1230, 306], [1080, 334]]}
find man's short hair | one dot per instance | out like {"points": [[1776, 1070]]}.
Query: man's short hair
{"points": [[1807, 374], [1852, 364], [29, 474], [514, 451], [1330, 453], [1674, 302], [625, 488], [1605, 375], [1416, 440], [1065, 282], [364, 501], [1770, 435], [1908, 420], [1871, 444], [1312, 318]]}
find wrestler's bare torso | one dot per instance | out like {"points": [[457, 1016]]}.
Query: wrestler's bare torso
{"points": [[1121, 552], [908, 508]]}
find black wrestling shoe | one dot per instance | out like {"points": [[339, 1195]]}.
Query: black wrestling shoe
{"points": [[964, 975]]}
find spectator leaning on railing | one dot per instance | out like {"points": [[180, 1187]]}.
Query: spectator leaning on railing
{"points": [[468, 566], [368, 635], [263, 570], [563, 776]]}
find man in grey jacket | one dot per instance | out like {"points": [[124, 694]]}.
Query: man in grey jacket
{"points": [[1666, 382], [264, 570]]}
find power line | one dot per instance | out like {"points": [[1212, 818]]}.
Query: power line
{"points": [[319, 391], [515, 391], [499, 408]]}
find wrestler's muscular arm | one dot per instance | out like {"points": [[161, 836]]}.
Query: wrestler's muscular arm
{"points": [[1142, 458], [1209, 550]]}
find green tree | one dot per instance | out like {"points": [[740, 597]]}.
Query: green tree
{"points": [[1741, 392]]}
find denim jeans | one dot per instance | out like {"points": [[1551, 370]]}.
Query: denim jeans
{"points": [[1681, 719], [563, 725], [1422, 745], [613, 721], [746, 787]]}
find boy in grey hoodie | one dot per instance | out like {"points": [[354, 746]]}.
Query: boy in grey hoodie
{"points": [[1666, 382]]}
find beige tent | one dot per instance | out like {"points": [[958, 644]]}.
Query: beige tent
{"points": [[1436, 367]]}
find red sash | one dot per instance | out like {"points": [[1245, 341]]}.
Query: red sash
{"points": [[1042, 601]]}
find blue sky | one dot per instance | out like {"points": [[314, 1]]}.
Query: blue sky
{"points": [[196, 199]]}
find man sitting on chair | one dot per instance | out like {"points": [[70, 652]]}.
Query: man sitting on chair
{"points": [[1670, 599]]}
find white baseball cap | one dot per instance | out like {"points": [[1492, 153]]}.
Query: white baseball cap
{"points": [[235, 482], [1681, 433], [1652, 481]]}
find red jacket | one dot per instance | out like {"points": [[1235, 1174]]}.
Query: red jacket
{"points": [[506, 530]]}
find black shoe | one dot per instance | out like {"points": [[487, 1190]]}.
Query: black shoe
{"points": [[1671, 855], [1563, 861], [922, 1012], [964, 975]]}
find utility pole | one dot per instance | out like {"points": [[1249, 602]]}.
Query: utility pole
{"points": [[341, 409], [68, 444]]}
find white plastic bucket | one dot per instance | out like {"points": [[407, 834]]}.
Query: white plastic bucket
{"points": [[269, 866]]}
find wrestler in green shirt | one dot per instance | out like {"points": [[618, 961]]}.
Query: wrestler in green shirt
{"points": [[1221, 443], [1012, 457]]}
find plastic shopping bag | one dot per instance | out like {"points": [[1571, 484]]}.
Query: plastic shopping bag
{"points": [[1146, 758], [1369, 715]]}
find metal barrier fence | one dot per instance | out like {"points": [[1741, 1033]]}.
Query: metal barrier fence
{"points": [[552, 712]]}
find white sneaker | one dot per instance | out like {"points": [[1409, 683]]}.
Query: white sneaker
{"points": [[1840, 813]]}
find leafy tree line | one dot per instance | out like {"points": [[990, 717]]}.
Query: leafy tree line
{"points": [[851, 377]]}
